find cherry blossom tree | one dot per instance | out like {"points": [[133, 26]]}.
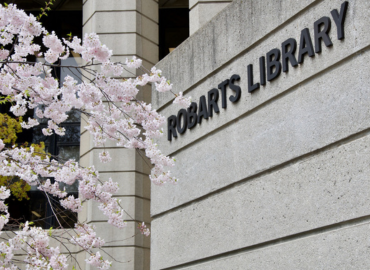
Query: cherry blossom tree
{"points": [[9, 127], [113, 112]]}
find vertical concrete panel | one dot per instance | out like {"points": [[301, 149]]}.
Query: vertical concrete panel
{"points": [[128, 27]]}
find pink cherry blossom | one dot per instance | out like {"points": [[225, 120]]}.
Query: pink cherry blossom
{"points": [[134, 62], [182, 101], [122, 119], [143, 229]]}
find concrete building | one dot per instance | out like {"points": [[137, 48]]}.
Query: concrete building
{"points": [[280, 178], [272, 156]]}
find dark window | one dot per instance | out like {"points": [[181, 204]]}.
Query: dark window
{"points": [[173, 25]]}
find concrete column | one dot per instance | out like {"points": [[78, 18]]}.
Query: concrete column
{"points": [[202, 11], [128, 27]]}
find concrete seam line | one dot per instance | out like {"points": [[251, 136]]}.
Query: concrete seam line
{"points": [[127, 10], [100, 148], [125, 246], [128, 171], [136, 33], [127, 220], [131, 196], [341, 225], [210, 2]]}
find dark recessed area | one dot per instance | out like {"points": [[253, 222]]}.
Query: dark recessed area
{"points": [[173, 29]]}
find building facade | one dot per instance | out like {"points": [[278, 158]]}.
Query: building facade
{"points": [[273, 153], [273, 156]]}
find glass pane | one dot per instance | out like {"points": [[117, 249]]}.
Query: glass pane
{"points": [[72, 135], [69, 188], [69, 152], [38, 136], [73, 116], [65, 153], [33, 209]]}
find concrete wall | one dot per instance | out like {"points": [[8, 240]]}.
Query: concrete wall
{"points": [[279, 179], [128, 27], [202, 11]]}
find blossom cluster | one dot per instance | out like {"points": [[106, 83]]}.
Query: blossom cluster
{"points": [[143, 229], [113, 112], [40, 255], [32, 239]]}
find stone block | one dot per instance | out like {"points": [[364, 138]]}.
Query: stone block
{"points": [[122, 22], [123, 160], [148, 8], [128, 236], [93, 6], [113, 22], [148, 29], [131, 44], [147, 50], [121, 44], [130, 183]]}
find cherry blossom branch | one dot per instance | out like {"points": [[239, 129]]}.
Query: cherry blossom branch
{"points": [[121, 118]]}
